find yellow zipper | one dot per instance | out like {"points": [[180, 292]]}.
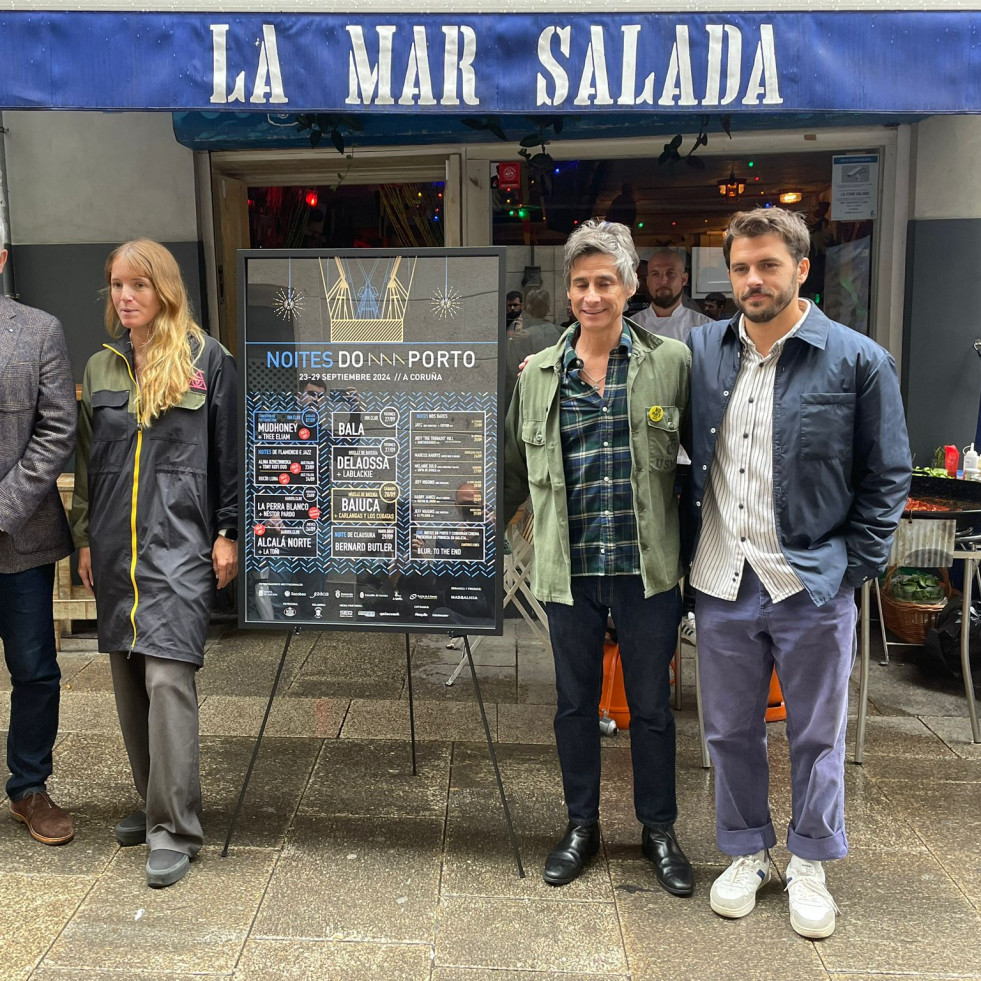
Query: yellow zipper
{"points": [[136, 485]]}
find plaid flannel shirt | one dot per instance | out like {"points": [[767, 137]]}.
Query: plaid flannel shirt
{"points": [[595, 434]]}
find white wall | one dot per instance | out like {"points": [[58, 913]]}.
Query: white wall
{"points": [[946, 154], [93, 177]]}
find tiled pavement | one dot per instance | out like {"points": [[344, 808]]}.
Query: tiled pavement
{"points": [[344, 866]]}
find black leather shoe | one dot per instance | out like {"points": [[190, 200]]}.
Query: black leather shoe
{"points": [[671, 865], [571, 855]]}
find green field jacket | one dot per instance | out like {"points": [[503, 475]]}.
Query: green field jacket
{"points": [[658, 408]]}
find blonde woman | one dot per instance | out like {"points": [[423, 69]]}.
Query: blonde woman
{"points": [[154, 518]]}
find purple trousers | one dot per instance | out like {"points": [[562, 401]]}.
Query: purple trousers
{"points": [[813, 649]]}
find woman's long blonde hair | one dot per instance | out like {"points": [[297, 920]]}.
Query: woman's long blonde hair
{"points": [[174, 338]]}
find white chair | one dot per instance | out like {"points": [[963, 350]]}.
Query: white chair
{"points": [[517, 586]]}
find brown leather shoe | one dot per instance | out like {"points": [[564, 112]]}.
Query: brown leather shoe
{"points": [[45, 820]]}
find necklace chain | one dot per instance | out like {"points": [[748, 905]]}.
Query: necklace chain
{"points": [[595, 382]]}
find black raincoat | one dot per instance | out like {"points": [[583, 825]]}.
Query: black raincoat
{"points": [[149, 501]]}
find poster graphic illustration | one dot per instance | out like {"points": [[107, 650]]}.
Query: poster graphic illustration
{"points": [[371, 457]]}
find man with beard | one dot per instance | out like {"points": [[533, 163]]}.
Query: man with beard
{"points": [[800, 470], [667, 315], [714, 306], [513, 305]]}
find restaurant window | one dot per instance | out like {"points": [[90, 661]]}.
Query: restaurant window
{"points": [[533, 213]]}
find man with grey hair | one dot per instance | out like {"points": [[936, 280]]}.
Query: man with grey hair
{"points": [[37, 401], [593, 434], [800, 471], [666, 280]]}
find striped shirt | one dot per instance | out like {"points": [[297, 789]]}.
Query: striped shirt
{"points": [[595, 433], [739, 522]]}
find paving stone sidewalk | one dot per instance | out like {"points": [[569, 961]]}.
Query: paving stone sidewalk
{"points": [[345, 866]]}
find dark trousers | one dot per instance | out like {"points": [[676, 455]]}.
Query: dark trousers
{"points": [[27, 631], [647, 630], [157, 704]]}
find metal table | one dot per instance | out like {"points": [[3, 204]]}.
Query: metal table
{"points": [[966, 549]]}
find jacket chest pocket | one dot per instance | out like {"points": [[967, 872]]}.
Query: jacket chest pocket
{"points": [[18, 387], [662, 435], [536, 459], [827, 426], [179, 437], [112, 431]]}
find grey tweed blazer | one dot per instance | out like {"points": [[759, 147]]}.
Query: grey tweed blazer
{"points": [[38, 415]]}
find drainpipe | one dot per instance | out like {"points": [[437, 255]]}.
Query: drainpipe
{"points": [[8, 269]]}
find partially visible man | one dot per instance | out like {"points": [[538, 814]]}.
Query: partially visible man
{"points": [[714, 305], [667, 315], [37, 401], [513, 305], [593, 433], [800, 471], [535, 334]]}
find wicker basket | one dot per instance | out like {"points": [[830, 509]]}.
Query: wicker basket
{"points": [[911, 621]]}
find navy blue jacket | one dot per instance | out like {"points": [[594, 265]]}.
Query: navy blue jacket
{"points": [[841, 459]]}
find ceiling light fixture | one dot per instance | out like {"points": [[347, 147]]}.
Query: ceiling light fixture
{"points": [[731, 187]]}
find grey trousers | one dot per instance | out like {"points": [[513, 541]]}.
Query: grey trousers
{"points": [[157, 704], [813, 649]]}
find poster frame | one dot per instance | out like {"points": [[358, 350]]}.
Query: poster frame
{"points": [[244, 623]]}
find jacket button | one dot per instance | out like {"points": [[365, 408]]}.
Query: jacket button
{"points": [[539, 438], [698, 504], [711, 430]]}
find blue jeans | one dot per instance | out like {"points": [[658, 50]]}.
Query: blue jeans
{"points": [[27, 631], [647, 630]]}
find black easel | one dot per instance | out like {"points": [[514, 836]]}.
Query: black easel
{"points": [[258, 742], [493, 755], [412, 735]]}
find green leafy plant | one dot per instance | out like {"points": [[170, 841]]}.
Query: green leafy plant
{"points": [[486, 124], [931, 471], [336, 127], [916, 587], [540, 164], [671, 154]]}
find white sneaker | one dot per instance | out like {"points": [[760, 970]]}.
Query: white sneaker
{"points": [[688, 628], [734, 892], [812, 910]]}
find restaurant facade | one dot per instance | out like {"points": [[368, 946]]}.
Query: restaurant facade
{"points": [[333, 127]]}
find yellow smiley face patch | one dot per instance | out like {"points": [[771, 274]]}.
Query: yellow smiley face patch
{"points": [[656, 413]]}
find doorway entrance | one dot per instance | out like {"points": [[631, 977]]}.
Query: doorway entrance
{"points": [[273, 199]]}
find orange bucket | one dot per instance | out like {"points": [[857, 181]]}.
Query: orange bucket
{"points": [[776, 711], [613, 699]]}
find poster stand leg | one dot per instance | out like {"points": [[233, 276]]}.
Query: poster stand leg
{"points": [[258, 742], [412, 715], [493, 755]]}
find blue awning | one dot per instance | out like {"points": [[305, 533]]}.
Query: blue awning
{"points": [[282, 131], [457, 64]]}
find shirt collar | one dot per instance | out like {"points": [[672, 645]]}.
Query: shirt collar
{"points": [[569, 355], [777, 345]]}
